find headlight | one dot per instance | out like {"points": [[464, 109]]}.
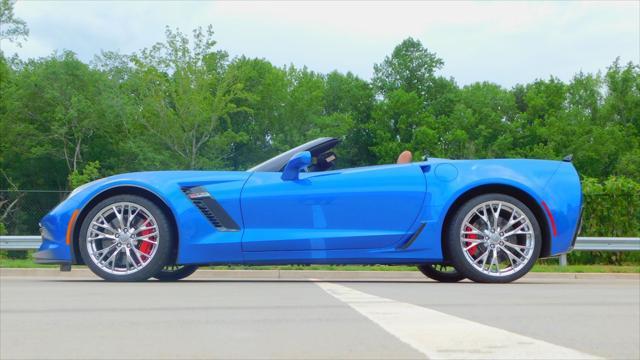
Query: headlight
{"points": [[44, 233]]}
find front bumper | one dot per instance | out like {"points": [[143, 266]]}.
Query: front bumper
{"points": [[51, 252], [54, 249]]}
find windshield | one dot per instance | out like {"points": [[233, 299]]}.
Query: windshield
{"points": [[315, 147]]}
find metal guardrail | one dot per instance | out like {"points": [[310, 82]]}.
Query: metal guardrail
{"points": [[582, 244], [603, 244], [13, 242], [607, 244]]}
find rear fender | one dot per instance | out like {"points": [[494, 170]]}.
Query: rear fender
{"points": [[563, 197], [444, 190]]}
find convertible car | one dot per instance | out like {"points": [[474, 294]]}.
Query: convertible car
{"points": [[485, 220]]}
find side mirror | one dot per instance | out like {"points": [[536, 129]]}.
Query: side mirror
{"points": [[299, 161]]}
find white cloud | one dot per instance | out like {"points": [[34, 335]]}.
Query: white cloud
{"points": [[504, 42]]}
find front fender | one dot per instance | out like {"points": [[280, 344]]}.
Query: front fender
{"points": [[199, 242], [59, 225]]}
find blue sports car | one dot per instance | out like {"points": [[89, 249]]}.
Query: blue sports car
{"points": [[485, 220]]}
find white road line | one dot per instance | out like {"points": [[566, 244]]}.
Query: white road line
{"points": [[443, 336]]}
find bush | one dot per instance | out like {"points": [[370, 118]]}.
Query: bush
{"points": [[90, 172], [612, 208]]}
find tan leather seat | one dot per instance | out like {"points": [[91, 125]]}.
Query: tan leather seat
{"points": [[405, 157]]}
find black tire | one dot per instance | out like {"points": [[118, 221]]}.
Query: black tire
{"points": [[164, 245], [456, 253], [436, 272], [175, 272]]}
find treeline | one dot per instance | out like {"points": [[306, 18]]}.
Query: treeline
{"points": [[185, 104]]}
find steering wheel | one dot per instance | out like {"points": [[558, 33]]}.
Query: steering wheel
{"points": [[325, 161]]}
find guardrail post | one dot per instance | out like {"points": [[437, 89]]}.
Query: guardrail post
{"points": [[563, 260]]}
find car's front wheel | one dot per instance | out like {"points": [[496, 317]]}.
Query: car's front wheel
{"points": [[125, 238], [493, 238]]}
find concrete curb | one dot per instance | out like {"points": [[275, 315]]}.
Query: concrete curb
{"points": [[306, 275]]}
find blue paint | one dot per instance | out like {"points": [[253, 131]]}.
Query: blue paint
{"points": [[446, 172], [349, 216]]}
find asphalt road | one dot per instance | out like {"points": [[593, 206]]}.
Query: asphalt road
{"points": [[536, 317]]}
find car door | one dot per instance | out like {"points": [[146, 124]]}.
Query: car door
{"points": [[361, 208]]}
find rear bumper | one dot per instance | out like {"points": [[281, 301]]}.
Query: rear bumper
{"points": [[578, 229], [563, 196]]}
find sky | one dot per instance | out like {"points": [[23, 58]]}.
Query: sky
{"points": [[502, 42]]}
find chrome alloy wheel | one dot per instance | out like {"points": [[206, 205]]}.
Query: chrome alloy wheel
{"points": [[497, 238], [122, 238]]}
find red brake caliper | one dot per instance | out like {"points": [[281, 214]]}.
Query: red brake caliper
{"points": [[474, 249], [146, 246]]}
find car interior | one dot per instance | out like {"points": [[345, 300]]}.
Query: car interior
{"points": [[323, 157]]}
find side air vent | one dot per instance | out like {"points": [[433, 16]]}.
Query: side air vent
{"points": [[211, 209], [413, 237]]}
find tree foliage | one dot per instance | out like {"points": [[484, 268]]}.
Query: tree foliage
{"points": [[612, 208], [12, 28], [90, 172], [184, 103], [182, 99], [411, 67]]}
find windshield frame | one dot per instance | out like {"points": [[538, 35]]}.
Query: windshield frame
{"points": [[315, 147]]}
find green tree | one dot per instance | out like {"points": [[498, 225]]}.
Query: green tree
{"points": [[55, 110], [186, 97], [479, 125], [622, 104], [411, 68], [183, 103], [351, 99], [90, 172], [400, 123], [12, 28], [266, 87], [302, 106]]}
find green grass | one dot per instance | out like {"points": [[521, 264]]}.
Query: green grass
{"points": [[22, 263], [548, 268], [537, 268], [319, 267]]}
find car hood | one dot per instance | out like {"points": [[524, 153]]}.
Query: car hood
{"points": [[159, 182]]}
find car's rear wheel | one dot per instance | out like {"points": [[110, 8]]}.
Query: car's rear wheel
{"points": [[125, 238], [494, 238], [175, 272], [441, 272]]}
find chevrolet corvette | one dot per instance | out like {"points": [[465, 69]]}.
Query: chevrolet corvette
{"points": [[485, 220]]}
